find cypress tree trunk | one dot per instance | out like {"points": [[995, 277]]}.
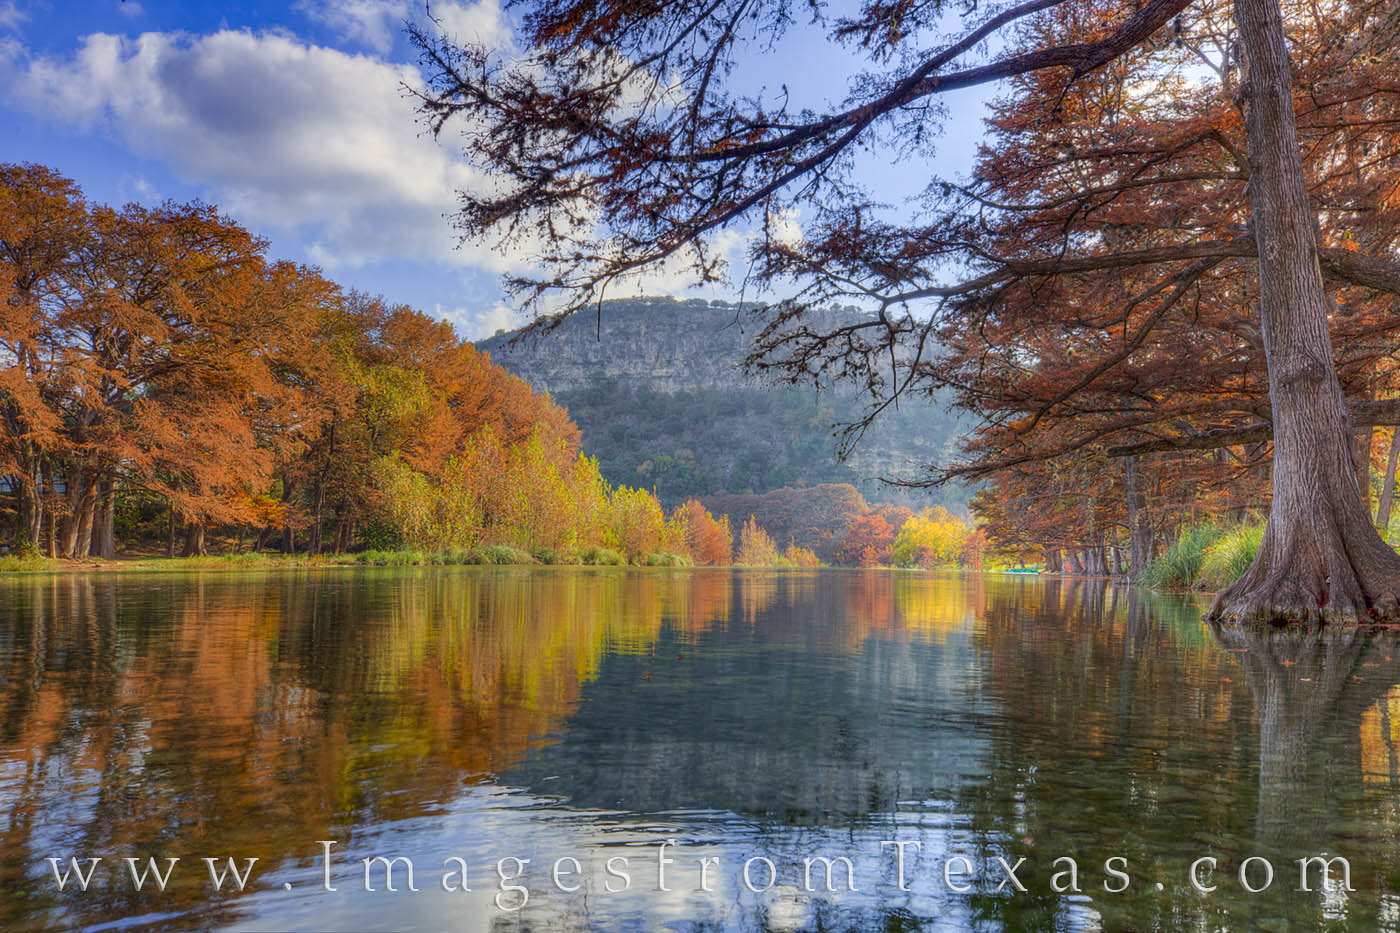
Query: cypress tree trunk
{"points": [[1321, 560], [87, 510], [75, 496], [105, 530], [1139, 525], [194, 540], [31, 509], [1052, 560], [1388, 486]]}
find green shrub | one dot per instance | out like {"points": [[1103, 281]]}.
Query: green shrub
{"points": [[604, 557], [23, 561], [663, 559], [1180, 565], [555, 556], [1229, 556], [391, 558], [1206, 557], [500, 554], [379, 535], [453, 556]]}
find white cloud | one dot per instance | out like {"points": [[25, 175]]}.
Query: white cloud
{"points": [[282, 134], [11, 15], [291, 138], [131, 8], [477, 324], [371, 23], [481, 23]]}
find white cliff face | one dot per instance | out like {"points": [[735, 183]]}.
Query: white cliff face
{"points": [[659, 389], [659, 343]]}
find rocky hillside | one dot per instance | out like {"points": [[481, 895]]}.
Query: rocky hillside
{"points": [[658, 388]]}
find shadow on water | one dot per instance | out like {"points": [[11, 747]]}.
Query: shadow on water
{"points": [[485, 713]]}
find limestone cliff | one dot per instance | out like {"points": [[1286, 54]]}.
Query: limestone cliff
{"points": [[658, 388]]}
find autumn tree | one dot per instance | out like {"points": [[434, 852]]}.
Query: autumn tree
{"points": [[43, 226], [620, 142], [933, 538], [155, 356], [813, 517], [756, 547], [868, 541], [709, 541]]}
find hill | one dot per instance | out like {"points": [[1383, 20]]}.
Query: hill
{"points": [[658, 388]]}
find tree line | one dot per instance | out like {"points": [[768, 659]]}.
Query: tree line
{"points": [[163, 379]]}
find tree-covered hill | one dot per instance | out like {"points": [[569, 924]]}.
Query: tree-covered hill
{"points": [[658, 389]]}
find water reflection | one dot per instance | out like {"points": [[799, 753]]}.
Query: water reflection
{"points": [[450, 712], [1311, 690]]}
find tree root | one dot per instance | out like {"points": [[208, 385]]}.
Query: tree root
{"points": [[1314, 580]]}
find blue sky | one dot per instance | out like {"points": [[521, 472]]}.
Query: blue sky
{"points": [[291, 117]]}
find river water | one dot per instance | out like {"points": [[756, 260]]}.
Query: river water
{"points": [[641, 750]]}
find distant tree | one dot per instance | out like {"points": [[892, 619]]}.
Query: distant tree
{"points": [[756, 548], [814, 517], [708, 540], [933, 538], [868, 541], [796, 556]]}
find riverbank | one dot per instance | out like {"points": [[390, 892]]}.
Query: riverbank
{"points": [[492, 556], [483, 556]]}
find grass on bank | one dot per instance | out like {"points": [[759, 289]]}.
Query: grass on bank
{"points": [[493, 555], [1206, 557]]}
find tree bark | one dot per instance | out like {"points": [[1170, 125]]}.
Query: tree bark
{"points": [[105, 529], [50, 499], [1365, 441], [1388, 485], [194, 540], [79, 498], [1139, 524], [31, 510], [86, 512], [1053, 562], [1076, 566], [1321, 559]]}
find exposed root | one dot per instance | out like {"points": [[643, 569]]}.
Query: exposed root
{"points": [[1307, 576]]}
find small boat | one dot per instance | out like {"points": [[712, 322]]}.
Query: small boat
{"points": [[1023, 570]]}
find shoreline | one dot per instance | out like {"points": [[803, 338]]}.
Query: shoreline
{"points": [[13, 566]]}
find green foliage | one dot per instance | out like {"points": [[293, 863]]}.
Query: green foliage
{"points": [[1229, 556], [391, 558], [1179, 566], [664, 559], [554, 556], [604, 557], [24, 562], [381, 535], [1207, 557], [453, 556], [699, 429], [499, 554]]}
